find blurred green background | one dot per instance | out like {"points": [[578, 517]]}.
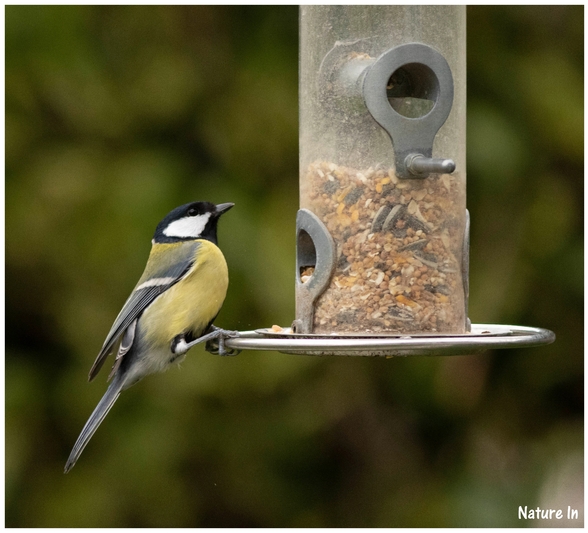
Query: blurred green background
{"points": [[117, 114]]}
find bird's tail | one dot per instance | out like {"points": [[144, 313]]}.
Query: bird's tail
{"points": [[96, 418]]}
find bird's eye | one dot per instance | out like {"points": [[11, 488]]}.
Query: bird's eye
{"points": [[192, 212]]}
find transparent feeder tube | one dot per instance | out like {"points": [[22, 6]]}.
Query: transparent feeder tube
{"points": [[396, 212]]}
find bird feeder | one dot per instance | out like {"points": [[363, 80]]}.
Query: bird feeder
{"points": [[382, 234]]}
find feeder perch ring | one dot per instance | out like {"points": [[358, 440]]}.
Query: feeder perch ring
{"points": [[482, 337]]}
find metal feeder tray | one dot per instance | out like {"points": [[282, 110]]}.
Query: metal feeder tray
{"points": [[481, 338]]}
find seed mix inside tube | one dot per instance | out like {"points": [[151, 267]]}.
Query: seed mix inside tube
{"points": [[399, 247]]}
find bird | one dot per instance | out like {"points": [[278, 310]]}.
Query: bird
{"points": [[172, 307]]}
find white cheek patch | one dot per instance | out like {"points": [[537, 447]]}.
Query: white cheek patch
{"points": [[187, 226]]}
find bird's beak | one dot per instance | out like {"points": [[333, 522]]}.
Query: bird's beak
{"points": [[223, 208]]}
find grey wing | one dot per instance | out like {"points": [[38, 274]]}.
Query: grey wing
{"points": [[138, 301]]}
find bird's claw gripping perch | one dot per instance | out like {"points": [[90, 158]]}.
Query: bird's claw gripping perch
{"points": [[217, 346], [215, 342]]}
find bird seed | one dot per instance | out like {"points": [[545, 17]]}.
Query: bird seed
{"points": [[399, 250]]}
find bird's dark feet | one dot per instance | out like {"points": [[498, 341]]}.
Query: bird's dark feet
{"points": [[216, 345], [215, 342]]}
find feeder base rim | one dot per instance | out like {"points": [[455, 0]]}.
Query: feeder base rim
{"points": [[482, 337], [476, 330]]}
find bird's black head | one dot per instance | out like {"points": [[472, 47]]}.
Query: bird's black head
{"points": [[196, 220]]}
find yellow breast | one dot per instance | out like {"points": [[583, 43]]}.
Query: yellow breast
{"points": [[193, 302]]}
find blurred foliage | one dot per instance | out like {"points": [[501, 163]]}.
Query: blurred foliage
{"points": [[115, 115]]}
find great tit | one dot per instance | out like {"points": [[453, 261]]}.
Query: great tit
{"points": [[171, 308]]}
